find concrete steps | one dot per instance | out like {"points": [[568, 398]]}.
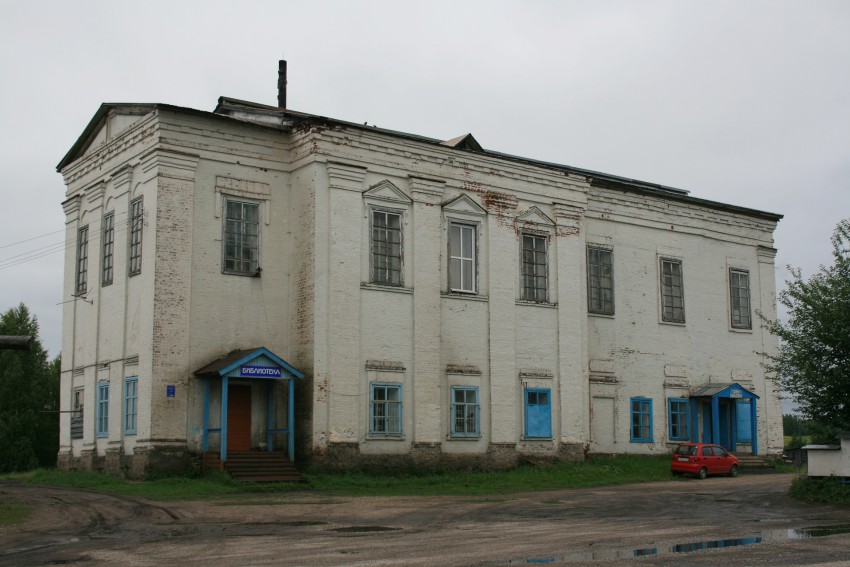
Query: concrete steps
{"points": [[755, 463], [255, 466]]}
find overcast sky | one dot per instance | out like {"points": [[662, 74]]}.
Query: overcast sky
{"points": [[746, 103]]}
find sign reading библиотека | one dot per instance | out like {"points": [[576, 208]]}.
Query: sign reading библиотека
{"points": [[270, 372]]}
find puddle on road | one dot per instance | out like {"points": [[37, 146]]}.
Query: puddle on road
{"points": [[756, 538]]}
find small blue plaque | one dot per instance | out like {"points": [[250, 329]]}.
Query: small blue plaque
{"points": [[170, 391]]}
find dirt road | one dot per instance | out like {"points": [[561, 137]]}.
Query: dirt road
{"points": [[628, 525]]}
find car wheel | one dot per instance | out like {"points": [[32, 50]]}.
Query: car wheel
{"points": [[733, 472], [703, 472]]}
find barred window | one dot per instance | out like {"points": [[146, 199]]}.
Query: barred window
{"points": [[739, 290], [136, 224], [535, 271], [108, 248], [600, 281], [242, 238], [385, 410], [386, 248], [672, 294], [465, 412], [82, 261]]}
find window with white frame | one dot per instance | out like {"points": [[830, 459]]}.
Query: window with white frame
{"points": [[108, 248], [672, 293], [600, 281], [677, 409], [385, 410], [137, 219], [641, 424], [465, 411], [241, 238], [739, 291], [386, 248], [102, 418], [462, 257], [131, 385], [535, 268], [81, 286]]}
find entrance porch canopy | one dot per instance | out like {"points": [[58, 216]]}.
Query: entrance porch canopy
{"points": [[730, 390], [251, 364]]}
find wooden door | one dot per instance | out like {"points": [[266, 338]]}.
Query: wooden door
{"points": [[239, 418]]}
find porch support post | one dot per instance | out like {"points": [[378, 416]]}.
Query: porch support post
{"points": [[206, 414], [733, 428], [694, 425], [754, 426], [223, 454], [715, 419], [270, 416], [291, 419]]}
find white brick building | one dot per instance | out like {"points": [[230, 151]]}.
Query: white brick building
{"points": [[444, 303]]}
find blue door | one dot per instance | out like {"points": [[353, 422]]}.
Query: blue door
{"points": [[538, 412], [743, 422], [706, 423]]}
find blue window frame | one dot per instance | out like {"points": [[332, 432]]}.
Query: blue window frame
{"points": [[677, 410], [385, 417], [641, 430], [103, 409], [538, 413], [465, 412], [130, 396]]}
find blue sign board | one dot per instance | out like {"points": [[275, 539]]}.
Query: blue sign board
{"points": [[170, 391], [260, 371]]}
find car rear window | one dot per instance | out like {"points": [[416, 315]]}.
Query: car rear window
{"points": [[686, 450]]}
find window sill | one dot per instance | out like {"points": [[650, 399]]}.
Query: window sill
{"points": [[453, 437], [741, 330], [537, 438], [243, 274], [600, 315], [640, 441], [672, 323], [389, 288], [466, 296], [544, 304], [373, 437]]}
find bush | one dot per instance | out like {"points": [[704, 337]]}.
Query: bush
{"points": [[826, 490]]}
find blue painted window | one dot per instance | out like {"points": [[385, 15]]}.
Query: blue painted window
{"points": [[538, 412], [678, 419], [465, 412], [744, 422], [130, 396], [385, 410], [103, 409], [641, 431]]}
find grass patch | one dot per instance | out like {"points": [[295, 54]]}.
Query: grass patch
{"points": [[827, 490], [796, 441], [13, 513], [599, 471]]}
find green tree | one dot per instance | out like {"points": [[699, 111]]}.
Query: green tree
{"points": [[813, 360], [29, 398]]}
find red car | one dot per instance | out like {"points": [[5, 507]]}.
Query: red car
{"points": [[701, 459]]}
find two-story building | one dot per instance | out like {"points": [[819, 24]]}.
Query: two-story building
{"points": [[256, 278]]}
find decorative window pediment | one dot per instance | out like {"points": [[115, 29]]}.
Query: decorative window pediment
{"points": [[387, 191], [535, 216], [465, 205]]}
